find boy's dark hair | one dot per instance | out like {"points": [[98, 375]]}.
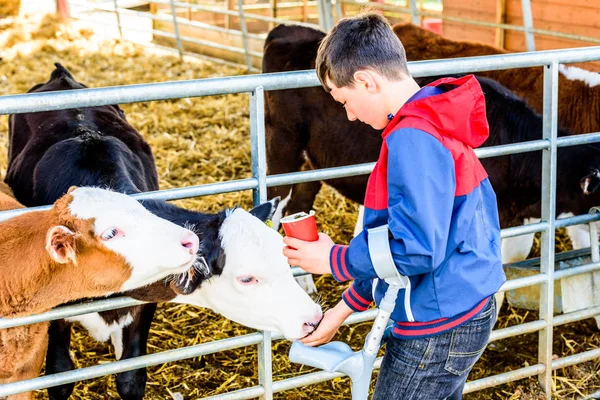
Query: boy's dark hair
{"points": [[365, 41]]}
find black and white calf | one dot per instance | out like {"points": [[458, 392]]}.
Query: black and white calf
{"points": [[240, 266]]}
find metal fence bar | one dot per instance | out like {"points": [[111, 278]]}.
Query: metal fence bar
{"points": [[595, 254], [259, 172], [534, 326], [257, 138], [574, 140], [118, 18], [548, 215], [577, 220], [521, 329], [47, 101], [176, 28], [247, 340], [244, 30], [339, 14], [285, 384], [546, 277], [523, 282], [472, 386], [152, 359], [580, 269], [121, 302], [528, 24], [576, 316], [513, 148], [576, 359], [256, 338], [248, 393], [328, 14], [129, 364], [414, 13], [70, 311], [265, 366], [299, 177], [524, 229], [506, 377]]}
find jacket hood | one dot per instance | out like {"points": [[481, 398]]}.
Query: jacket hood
{"points": [[458, 112]]}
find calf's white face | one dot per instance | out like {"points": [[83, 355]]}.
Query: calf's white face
{"points": [[153, 247], [257, 288]]}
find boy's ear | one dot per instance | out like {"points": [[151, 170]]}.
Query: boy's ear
{"points": [[366, 79]]}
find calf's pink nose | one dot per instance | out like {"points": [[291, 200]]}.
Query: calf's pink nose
{"points": [[310, 327], [190, 241]]}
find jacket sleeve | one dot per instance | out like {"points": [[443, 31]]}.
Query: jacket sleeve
{"points": [[421, 186], [359, 295]]}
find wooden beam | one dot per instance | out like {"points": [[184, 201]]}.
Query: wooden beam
{"points": [[229, 19], [500, 19], [305, 11], [273, 10]]}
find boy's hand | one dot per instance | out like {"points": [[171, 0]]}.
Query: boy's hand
{"points": [[313, 257], [329, 325]]}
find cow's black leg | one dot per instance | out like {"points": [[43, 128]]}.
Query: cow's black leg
{"points": [[132, 384], [58, 358]]}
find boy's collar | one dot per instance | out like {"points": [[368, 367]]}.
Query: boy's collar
{"points": [[425, 92], [422, 93]]}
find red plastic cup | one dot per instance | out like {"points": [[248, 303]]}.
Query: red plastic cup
{"points": [[301, 226]]}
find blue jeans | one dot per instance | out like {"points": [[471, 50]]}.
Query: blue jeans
{"points": [[436, 367]]}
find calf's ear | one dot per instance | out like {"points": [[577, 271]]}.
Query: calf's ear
{"points": [[591, 182], [60, 244], [265, 211]]}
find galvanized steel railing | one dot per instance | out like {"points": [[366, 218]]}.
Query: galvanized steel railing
{"points": [[256, 85]]}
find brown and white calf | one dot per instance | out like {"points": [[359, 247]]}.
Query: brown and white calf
{"points": [[92, 242]]}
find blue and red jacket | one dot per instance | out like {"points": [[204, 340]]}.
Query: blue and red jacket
{"points": [[441, 211]]}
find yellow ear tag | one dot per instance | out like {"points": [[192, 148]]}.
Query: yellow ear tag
{"points": [[269, 223]]}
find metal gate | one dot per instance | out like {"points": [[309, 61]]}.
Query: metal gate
{"points": [[256, 85]]}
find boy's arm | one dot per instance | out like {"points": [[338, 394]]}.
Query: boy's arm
{"points": [[421, 188], [359, 295]]}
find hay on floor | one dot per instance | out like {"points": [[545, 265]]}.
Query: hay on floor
{"points": [[204, 140]]}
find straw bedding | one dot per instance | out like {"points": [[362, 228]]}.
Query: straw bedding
{"points": [[9, 8], [204, 140]]}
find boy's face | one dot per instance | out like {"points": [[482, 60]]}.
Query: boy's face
{"points": [[360, 103]]}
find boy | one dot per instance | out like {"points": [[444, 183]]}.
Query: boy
{"points": [[441, 214]]}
